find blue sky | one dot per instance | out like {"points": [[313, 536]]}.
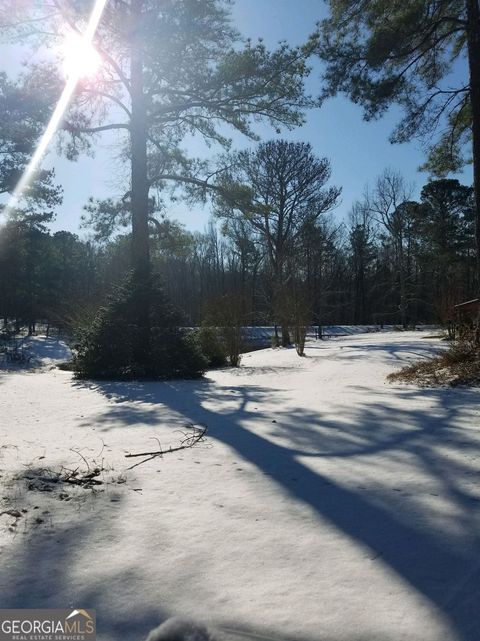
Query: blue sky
{"points": [[358, 150]]}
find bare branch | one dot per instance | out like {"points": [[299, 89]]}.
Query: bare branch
{"points": [[93, 130], [188, 442]]}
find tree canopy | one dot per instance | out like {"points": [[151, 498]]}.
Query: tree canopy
{"points": [[408, 53], [25, 108], [423, 55]]}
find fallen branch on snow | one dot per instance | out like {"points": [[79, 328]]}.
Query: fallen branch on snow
{"points": [[43, 479], [86, 480], [188, 441]]}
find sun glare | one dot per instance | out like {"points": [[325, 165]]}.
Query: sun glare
{"points": [[79, 57]]}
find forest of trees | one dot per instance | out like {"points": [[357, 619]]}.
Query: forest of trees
{"points": [[394, 261]]}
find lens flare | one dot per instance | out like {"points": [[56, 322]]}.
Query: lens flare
{"points": [[79, 56], [80, 63]]}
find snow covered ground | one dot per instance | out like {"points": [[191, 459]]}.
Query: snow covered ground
{"points": [[325, 505], [262, 336], [34, 352]]}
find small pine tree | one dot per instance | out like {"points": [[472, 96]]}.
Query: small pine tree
{"points": [[121, 344]]}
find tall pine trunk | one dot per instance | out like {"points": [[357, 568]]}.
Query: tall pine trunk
{"points": [[138, 140], [139, 190]]}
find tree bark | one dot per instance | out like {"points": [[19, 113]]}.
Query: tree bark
{"points": [[473, 44], [139, 197], [286, 342], [138, 141]]}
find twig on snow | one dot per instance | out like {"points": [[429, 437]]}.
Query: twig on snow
{"points": [[188, 441], [72, 449]]}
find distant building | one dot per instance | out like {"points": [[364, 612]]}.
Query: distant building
{"points": [[468, 311]]}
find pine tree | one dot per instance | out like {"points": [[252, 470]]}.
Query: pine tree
{"points": [[112, 347]]}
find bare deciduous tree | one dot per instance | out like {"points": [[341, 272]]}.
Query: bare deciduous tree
{"points": [[278, 189]]}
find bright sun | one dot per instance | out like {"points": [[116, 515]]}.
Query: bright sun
{"points": [[79, 56]]}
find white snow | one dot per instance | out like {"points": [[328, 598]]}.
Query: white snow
{"points": [[262, 336], [180, 630], [325, 505], [37, 352]]}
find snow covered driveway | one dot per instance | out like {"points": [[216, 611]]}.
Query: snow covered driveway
{"points": [[326, 505]]}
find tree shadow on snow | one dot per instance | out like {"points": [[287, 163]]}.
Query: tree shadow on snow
{"points": [[50, 566], [399, 351], [440, 565]]}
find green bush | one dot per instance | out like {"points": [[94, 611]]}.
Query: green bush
{"points": [[212, 346], [137, 335]]}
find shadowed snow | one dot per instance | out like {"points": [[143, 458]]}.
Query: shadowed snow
{"points": [[325, 505]]}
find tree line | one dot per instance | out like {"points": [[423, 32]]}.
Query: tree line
{"points": [[393, 261]]}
